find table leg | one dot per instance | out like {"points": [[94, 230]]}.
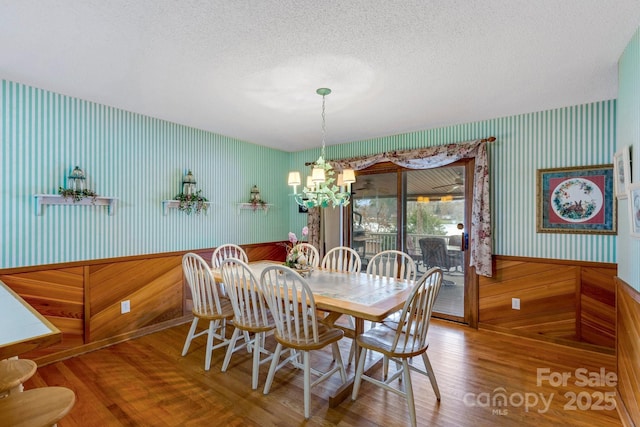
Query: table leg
{"points": [[345, 390]]}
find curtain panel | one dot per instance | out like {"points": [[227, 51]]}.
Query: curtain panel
{"points": [[432, 157]]}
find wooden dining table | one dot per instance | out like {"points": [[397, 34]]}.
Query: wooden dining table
{"points": [[362, 296], [22, 328]]}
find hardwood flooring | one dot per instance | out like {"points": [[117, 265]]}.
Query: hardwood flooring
{"points": [[145, 382]]}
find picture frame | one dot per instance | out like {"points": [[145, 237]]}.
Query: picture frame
{"points": [[622, 172], [576, 200], [634, 209]]}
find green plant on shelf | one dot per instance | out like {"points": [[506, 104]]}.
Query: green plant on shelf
{"points": [[192, 203], [255, 204], [77, 195]]}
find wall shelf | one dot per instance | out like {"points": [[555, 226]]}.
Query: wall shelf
{"points": [[173, 204], [57, 199], [250, 206]]}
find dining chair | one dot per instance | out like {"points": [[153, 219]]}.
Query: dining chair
{"points": [[251, 314], [402, 340], [342, 258], [228, 250], [346, 260], [310, 252], [294, 310], [210, 303], [392, 264]]}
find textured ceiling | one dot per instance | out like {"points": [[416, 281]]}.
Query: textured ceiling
{"points": [[249, 69]]}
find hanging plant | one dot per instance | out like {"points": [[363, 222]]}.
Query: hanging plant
{"points": [[77, 195], [192, 203]]}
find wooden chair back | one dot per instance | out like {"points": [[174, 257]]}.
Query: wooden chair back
{"points": [[292, 305], [413, 323], [392, 264], [310, 252], [206, 293], [228, 250], [243, 288], [342, 258]]}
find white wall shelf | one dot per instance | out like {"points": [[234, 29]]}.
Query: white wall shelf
{"points": [[173, 204], [57, 199], [249, 206]]}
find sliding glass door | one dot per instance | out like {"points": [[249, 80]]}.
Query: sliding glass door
{"points": [[423, 213]]}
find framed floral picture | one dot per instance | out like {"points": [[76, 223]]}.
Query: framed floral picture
{"points": [[634, 208], [622, 172], [576, 200]]}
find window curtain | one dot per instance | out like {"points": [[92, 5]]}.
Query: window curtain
{"points": [[432, 157]]}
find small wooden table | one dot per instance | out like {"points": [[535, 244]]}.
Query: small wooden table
{"points": [[22, 328], [362, 296]]}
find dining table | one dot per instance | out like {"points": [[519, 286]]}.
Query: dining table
{"points": [[22, 328], [363, 296]]}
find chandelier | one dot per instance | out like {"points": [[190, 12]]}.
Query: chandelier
{"points": [[323, 188]]}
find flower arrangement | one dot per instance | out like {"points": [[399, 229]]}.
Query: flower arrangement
{"points": [[296, 259], [77, 195], [190, 203]]}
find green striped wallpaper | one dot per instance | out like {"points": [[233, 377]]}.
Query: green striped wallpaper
{"points": [[629, 135], [573, 136], [140, 160]]}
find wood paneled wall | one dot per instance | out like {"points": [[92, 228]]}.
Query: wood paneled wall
{"points": [[562, 301], [57, 294], [82, 299], [628, 352], [153, 287]]}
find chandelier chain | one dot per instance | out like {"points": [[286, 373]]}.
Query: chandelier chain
{"points": [[324, 126]]}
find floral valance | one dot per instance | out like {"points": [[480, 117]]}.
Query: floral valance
{"points": [[441, 155]]}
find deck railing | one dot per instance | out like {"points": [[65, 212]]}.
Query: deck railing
{"points": [[378, 242]]}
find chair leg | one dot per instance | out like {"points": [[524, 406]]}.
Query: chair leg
{"points": [[258, 344], [385, 367], [307, 384], [431, 374], [249, 341], [272, 368], [358, 378], [230, 349], [409, 391], [336, 350], [192, 331], [213, 325]]}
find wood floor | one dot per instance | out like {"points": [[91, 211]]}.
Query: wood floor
{"points": [[145, 382]]}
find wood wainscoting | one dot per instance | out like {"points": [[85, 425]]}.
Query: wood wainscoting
{"points": [[568, 302], [82, 299], [628, 353]]}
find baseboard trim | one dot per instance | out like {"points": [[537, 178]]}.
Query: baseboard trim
{"points": [[86, 348], [554, 340]]}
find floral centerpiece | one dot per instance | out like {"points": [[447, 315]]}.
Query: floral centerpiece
{"points": [[296, 259]]}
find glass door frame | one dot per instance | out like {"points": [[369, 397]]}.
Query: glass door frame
{"points": [[471, 278]]}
